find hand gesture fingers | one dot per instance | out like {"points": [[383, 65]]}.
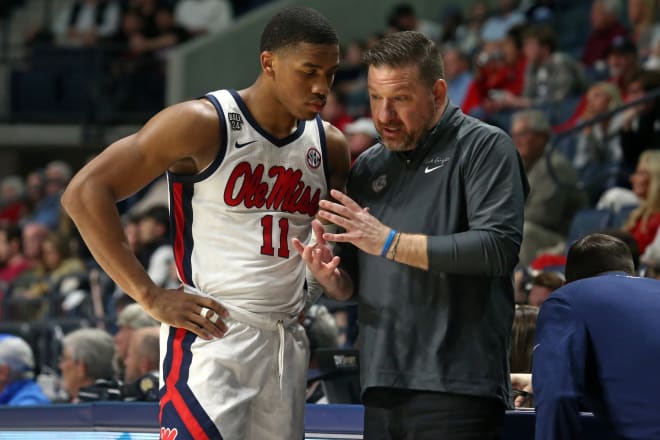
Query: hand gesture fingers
{"points": [[200, 315]]}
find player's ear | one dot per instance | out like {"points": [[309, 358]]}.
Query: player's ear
{"points": [[267, 60]]}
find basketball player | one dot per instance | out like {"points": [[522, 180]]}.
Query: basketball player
{"points": [[246, 171]]}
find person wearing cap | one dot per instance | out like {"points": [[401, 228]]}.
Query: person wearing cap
{"points": [[622, 62], [17, 384], [131, 318], [360, 135]]}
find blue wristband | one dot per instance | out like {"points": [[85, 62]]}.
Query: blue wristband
{"points": [[388, 242]]}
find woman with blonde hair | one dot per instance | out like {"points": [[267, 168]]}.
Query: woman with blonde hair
{"points": [[644, 221]]}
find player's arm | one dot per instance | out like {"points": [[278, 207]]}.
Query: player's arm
{"points": [[339, 157], [323, 272], [184, 137]]}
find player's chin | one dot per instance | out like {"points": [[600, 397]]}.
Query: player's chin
{"points": [[307, 115]]}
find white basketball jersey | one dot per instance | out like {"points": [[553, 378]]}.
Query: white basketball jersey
{"points": [[233, 222]]}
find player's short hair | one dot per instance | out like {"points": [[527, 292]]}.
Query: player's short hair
{"points": [[294, 25], [408, 48], [595, 254]]}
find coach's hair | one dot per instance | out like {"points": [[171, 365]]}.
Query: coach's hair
{"points": [[595, 254], [402, 49], [295, 25], [93, 347]]}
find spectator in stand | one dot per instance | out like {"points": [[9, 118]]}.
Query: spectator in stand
{"points": [[203, 16], [605, 25], [12, 200], [640, 128], [142, 365], [457, 74], [35, 187], [542, 286], [404, 18], [351, 79], [644, 221], [522, 338], [549, 207], [86, 357], [497, 25], [598, 148], [550, 76], [335, 111], [622, 66], [33, 235], [501, 70], [477, 15], [642, 18], [42, 286], [12, 261], [131, 318], [622, 63], [47, 212], [452, 25], [360, 135], [84, 22], [155, 252], [17, 385], [168, 34]]}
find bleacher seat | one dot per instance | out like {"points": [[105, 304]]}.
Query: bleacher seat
{"points": [[587, 221], [620, 217]]}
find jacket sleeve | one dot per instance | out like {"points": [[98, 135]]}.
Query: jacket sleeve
{"points": [[558, 370], [495, 188]]}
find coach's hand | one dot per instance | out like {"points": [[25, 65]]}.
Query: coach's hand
{"points": [[362, 229], [200, 315]]}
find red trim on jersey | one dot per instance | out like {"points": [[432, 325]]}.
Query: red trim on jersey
{"points": [[179, 229], [172, 394]]}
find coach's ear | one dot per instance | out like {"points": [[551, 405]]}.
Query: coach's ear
{"points": [[440, 93], [267, 59]]}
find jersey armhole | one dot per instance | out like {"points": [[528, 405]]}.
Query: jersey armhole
{"points": [[324, 150], [210, 169]]}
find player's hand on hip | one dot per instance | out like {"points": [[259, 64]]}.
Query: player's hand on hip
{"points": [[361, 228], [318, 255], [200, 315]]}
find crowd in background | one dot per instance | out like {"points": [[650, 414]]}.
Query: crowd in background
{"points": [[551, 73], [104, 60]]}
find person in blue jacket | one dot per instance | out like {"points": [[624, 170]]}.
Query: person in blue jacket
{"points": [[598, 346], [17, 384]]}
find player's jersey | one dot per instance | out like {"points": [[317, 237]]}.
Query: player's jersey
{"points": [[233, 222]]}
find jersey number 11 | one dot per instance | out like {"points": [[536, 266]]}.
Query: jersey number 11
{"points": [[267, 247]]}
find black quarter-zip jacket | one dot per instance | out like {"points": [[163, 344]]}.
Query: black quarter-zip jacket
{"points": [[446, 329]]}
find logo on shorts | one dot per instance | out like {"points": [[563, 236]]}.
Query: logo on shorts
{"points": [[168, 433], [236, 121], [313, 158], [379, 184]]}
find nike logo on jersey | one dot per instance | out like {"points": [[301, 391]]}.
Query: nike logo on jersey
{"points": [[434, 164], [429, 170], [244, 144]]}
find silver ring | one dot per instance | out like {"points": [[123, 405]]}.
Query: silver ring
{"points": [[203, 312], [214, 317]]}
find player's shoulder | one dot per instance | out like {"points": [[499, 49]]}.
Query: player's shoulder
{"points": [[333, 134]]}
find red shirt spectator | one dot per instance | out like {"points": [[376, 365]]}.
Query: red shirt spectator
{"points": [[605, 26]]}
